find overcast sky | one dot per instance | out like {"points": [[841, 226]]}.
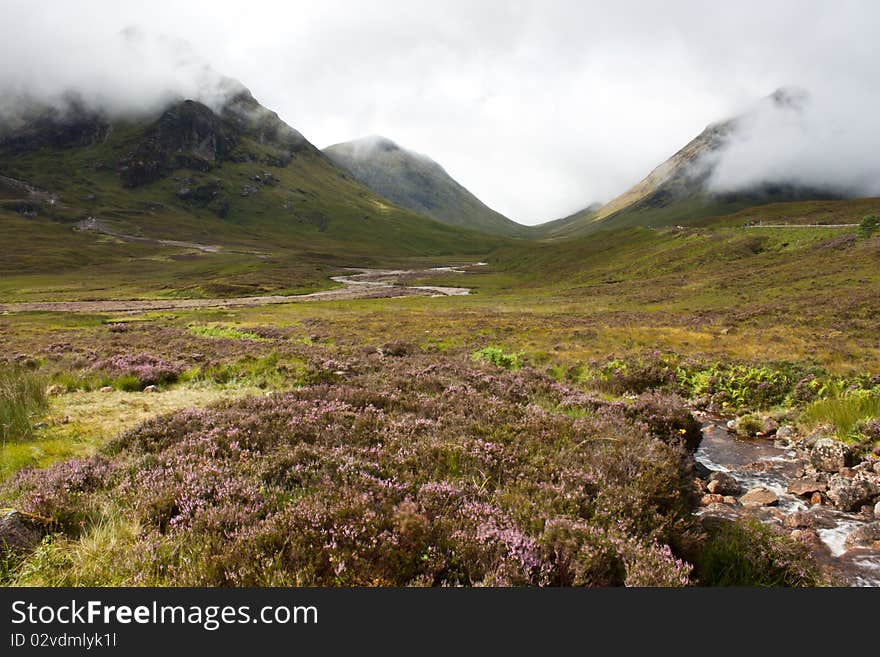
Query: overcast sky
{"points": [[538, 107]]}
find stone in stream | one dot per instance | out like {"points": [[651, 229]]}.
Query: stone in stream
{"points": [[816, 499], [866, 536], [851, 494], [830, 455], [710, 499], [807, 519], [805, 487], [723, 484], [758, 497]]}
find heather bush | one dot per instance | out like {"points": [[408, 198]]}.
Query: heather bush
{"points": [[139, 370], [636, 375], [416, 471]]}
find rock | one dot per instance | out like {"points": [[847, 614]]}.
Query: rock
{"points": [[731, 500], [805, 487], [830, 455], [107, 389], [770, 426], [807, 519], [732, 424], [866, 536], [877, 467], [758, 497], [20, 531], [785, 431], [810, 440], [708, 500], [816, 499], [851, 494], [723, 484], [847, 472], [151, 389], [702, 471], [55, 390]]}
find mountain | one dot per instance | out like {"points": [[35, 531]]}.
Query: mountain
{"points": [[78, 181], [679, 189], [418, 183]]}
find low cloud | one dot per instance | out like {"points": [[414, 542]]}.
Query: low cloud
{"points": [[822, 140]]}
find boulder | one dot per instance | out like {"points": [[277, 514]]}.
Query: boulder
{"points": [[807, 519], [830, 455], [816, 499], [758, 497], [806, 487], [20, 531], [723, 484], [785, 431], [866, 536], [710, 499], [851, 494]]}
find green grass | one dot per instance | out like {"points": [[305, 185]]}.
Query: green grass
{"points": [[844, 412], [22, 399], [224, 332]]}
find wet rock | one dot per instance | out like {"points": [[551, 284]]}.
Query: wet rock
{"points": [[805, 487], [702, 471], [723, 484], [867, 536], [20, 531], [710, 499], [807, 519], [785, 431], [758, 497], [816, 499], [830, 455], [851, 494]]}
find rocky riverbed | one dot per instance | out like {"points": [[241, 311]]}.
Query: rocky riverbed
{"points": [[813, 487]]}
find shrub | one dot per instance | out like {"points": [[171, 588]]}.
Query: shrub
{"points": [[498, 357], [749, 426], [637, 375], [22, 397], [135, 371], [869, 224]]}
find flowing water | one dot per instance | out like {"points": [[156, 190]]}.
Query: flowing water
{"points": [[762, 463]]}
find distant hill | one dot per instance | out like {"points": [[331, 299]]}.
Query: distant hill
{"points": [[678, 190], [418, 183], [115, 199]]}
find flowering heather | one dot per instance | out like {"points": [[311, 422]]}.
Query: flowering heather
{"points": [[146, 368], [420, 470]]}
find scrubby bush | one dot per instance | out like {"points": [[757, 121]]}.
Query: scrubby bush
{"points": [[497, 356], [418, 472], [635, 375], [136, 371]]}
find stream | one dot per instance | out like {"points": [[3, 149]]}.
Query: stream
{"points": [[760, 462]]}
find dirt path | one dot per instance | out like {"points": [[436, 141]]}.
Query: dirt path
{"points": [[364, 284]]}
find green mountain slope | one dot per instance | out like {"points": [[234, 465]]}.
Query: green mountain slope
{"points": [[416, 182], [85, 190]]}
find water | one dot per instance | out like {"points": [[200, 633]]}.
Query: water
{"points": [[759, 462]]}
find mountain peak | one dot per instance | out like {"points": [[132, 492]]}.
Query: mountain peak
{"points": [[416, 182]]}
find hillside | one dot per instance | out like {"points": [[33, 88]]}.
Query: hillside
{"points": [[679, 190], [229, 197], [418, 183]]}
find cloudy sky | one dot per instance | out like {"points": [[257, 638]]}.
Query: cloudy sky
{"points": [[538, 107]]}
